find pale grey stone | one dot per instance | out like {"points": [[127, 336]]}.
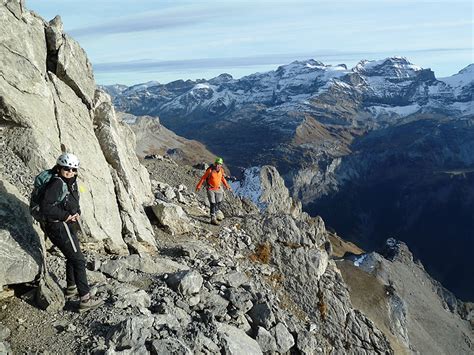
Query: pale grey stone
{"points": [[20, 247], [216, 304], [235, 279], [235, 341], [265, 340], [4, 332], [131, 297], [170, 346], [186, 282], [131, 179], [74, 68], [172, 217], [284, 339], [130, 333]]}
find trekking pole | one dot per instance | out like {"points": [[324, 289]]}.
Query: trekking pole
{"points": [[70, 237]]}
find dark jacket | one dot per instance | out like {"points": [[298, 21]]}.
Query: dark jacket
{"points": [[53, 210]]}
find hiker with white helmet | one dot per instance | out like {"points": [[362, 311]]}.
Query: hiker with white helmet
{"points": [[214, 177], [60, 210]]}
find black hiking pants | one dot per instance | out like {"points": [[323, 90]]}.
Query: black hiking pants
{"points": [[75, 261]]}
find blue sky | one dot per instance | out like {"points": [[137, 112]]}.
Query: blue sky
{"points": [[136, 41]]}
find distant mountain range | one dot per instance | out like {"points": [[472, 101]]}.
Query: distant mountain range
{"points": [[378, 150]]}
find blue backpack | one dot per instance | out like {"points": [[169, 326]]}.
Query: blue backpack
{"points": [[41, 181]]}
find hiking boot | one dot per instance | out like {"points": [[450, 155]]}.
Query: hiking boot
{"points": [[70, 292], [91, 302], [214, 221], [220, 216]]}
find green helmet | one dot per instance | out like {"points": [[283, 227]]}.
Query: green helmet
{"points": [[219, 161]]}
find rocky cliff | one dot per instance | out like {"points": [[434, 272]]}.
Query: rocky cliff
{"points": [[155, 139], [48, 98], [264, 281]]}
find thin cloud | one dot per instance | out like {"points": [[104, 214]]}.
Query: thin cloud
{"points": [[149, 22], [268, 59]]}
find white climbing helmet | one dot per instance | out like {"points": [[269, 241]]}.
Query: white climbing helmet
{"points": [[68, 159]]}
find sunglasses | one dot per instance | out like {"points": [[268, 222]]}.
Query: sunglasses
{"points": [[66, 168]]}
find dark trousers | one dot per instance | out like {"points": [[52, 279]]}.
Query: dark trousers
{"points": [[75, 261]]}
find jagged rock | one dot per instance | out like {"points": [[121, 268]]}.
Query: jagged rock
{"points": [[187, 283], [142, 350], [284, 340], [172, 217], [44, 109], [398, 317], [5, 348], [74, 68], [169, 347], [132, 180], [169, 193], [216, 304], [265, 340], [206, 345], [266, 188], [396, 250], [167, 321], [4, 335], [130, 333], [54, 38], [236, 279], [240, 299], [127, 296], [118, 270], [345, 327], [235, 341], [100, 220], [262, 315], [307, 343], [49, 296], [20, 256]]}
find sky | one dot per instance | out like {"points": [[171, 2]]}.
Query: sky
{"points": [[135, 41]]}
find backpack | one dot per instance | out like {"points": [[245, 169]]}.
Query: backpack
{"points": [[41, 181]]}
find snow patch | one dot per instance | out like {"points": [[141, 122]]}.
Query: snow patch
{"points": [[250, 187], [360, 260], [401, 111]]}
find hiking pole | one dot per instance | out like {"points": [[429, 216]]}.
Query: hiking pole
{"points": [[70, 237]]}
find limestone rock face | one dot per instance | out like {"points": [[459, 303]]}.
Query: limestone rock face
{"points": [[20, 248], [47, 99], [74, 68], [131, 179], [266, 188], [275, 194]]}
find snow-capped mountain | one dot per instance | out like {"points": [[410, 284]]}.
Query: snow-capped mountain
{"points": [[391, 86], [370, 148]]}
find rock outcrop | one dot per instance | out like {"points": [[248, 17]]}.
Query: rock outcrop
{"points": [[155, 139], [396, 292], [48, 98], [266, 188]]}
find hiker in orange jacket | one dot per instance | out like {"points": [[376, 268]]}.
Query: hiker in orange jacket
{"points": [[214, 177]]}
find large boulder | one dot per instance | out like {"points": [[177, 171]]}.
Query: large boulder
{"points": [[172, 217], [20, 248]]}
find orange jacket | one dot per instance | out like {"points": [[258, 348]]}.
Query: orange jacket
{"points": [[214, 179]]}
